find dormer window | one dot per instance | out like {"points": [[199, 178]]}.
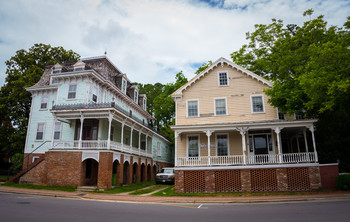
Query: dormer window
{"points": [[54, 81], [136, 96], [57, 68], [124, 85], [79, 66]]}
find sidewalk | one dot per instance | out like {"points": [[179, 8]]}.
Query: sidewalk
{"points": [[337, 195]]}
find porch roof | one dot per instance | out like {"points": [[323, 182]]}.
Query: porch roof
{"points": [[245, 125]]}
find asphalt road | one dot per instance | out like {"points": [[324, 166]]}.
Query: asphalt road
{"points": [[17, 207]]}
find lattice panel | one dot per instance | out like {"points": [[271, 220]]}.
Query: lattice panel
{"points": [[228, 181], [298, 179], [263, 180], [194, 181]]}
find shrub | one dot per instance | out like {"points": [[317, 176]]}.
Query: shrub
{"points": [[343, 182]]}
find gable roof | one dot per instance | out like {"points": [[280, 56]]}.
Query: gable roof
{"points": [[221, 61]]}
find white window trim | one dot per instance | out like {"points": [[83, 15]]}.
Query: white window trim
{"points": [[187, 144], [35, 158], [76, 87], [51, 81], [216, 143], [36, 132], [225, 106], [190, 100], [47, 103], [60, 131], [228, 79], [126, 85], [251, 103], [144, 104]]}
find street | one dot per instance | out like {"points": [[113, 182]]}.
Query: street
{"points": [[20, 207]]}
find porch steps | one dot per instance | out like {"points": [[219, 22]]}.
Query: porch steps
{"points": [[86, 188], [16, 178]]}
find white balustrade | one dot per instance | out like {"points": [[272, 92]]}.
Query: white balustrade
{"points": [[250, 160]]}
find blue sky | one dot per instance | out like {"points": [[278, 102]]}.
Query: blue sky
{"points": [[149, 40]]}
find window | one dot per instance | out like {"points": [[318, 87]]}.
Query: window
{"points": [[136, 96], [193, 146], [192, 108], [44, 101], [257, 104], [220, 106], [299, 115], [54, 81], [72, 91], [35, 158], [223, 79], [57, 133], [40, 131], [144, 104], [56, 71], [166, 150], [222, 145], [78, 69], [159, 150], [94, 94], [124, 85]]}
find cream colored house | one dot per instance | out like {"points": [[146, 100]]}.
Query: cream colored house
{"points": [[225, 128]]}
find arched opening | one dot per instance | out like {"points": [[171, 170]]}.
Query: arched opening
{"points": [[90, 167], [134, 173], [143, 172], [125, 172], [149, 172], [116, 165]]}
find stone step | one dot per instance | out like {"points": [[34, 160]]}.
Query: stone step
{"points": [[86, 188]]}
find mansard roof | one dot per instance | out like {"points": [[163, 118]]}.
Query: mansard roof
{"points": [[221, 61]]}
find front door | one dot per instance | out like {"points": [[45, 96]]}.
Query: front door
{"points": [[260, 145]]}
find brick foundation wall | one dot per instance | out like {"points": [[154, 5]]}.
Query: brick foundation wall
{"points": [[248, 180], [28, 159], [64, 168], [37, 175]]}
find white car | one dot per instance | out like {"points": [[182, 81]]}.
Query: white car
{"points": [[166, 175]]}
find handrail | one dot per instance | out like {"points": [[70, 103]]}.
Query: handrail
{"points": [[27, 156]]}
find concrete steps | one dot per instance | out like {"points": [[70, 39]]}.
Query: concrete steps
{"points": [[86, 188]]}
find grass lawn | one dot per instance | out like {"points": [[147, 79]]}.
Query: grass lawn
{"points": [[128, 188], [39, 187], [5, 178], [150, 190]]}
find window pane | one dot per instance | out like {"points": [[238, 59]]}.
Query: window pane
{"points": [[193, 146], [192, 108], [257, 104], [220, 105], [223, 79], [72, 88], [44, 101], [57, 135], [222, 145], [71, 95], [39, 135]]}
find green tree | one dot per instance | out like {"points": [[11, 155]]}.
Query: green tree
{"points": [[203, 67], [160, 105], [24, 69], [309, 67]]}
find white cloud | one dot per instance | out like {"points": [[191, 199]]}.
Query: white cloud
{"points": [[150, 40]]}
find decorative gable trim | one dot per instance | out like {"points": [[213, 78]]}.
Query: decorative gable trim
{"points": [[221, 62]]}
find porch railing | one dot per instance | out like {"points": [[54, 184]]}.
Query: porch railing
{"points": [[249, 160], [99, 145]]}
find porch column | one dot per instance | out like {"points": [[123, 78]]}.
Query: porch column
{"points": [[278, 132], [208, 132], [81, 130], [139, 142], [53, 130], [177, 133], [312, 129], [110, 117], [244, 145]]}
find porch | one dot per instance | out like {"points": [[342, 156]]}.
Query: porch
{"points": [[99, 127], [263, 143]]}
